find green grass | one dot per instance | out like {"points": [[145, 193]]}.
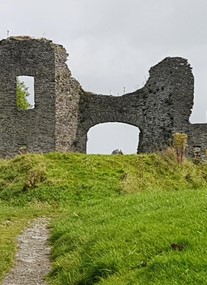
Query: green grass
{"points": [[128, 240], [115, 219]]}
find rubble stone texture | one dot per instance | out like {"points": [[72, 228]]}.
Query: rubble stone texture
{"points": [[64, 112]]}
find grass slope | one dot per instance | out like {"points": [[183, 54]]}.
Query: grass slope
{"points": [[116, 219], [129, 240]]}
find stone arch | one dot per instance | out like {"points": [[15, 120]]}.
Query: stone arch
{"points": [[104, 138], [162, 107]]}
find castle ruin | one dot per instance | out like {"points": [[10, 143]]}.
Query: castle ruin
{"points": [[64, 112]]}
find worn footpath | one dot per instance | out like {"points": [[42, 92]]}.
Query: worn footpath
{"points": [[32, 258]]}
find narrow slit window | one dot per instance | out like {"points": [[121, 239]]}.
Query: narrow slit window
{"points": [[25, 97]]}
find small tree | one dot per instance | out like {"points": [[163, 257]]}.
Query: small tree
{"points": [[180, 145], [21, 95]]}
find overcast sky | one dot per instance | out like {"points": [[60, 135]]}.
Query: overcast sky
{"points": [[113, 43]]}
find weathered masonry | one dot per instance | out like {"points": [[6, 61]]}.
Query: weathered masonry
{"points": [[64, 112]]}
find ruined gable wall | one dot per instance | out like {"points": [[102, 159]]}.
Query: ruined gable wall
{"points": [[170, 89]]}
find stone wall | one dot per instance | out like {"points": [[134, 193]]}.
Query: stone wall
{"points": [[32, 128], [161, 107], [197, 137], [64, 112], [52, 124]]}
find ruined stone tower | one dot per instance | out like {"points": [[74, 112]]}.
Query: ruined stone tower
{"points": [[64, 112], [52, 124]]}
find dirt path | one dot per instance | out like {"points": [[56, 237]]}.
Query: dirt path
{"points": [[32, 259]]}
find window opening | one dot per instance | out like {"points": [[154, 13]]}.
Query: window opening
{"points": [[25, 97]]}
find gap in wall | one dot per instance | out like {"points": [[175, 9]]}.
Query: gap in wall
{"points": [[106, 137]]}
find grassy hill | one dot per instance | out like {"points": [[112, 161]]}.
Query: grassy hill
{"points": [[138, 219]]}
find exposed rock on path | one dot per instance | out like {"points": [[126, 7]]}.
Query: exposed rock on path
{"points": [[32, 259]]}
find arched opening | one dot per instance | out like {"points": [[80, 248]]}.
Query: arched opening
{"points": [[104, 138]]}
